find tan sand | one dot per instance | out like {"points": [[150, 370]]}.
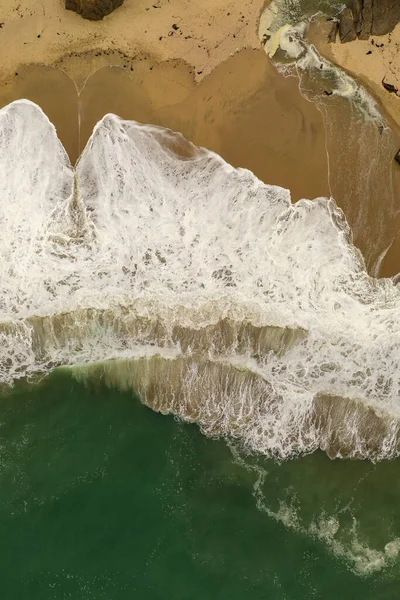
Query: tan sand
{"points": [[209, 32], [370, 69], [244, 110]]}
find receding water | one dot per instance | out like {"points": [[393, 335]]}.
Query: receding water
{"points": [[103, 498]]}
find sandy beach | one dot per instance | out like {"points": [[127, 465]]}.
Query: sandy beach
{"points": [[370, 61], [200, 71], [243, 109], [373, 62]]}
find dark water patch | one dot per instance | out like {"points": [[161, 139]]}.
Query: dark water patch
{"points": [[103, 498]]}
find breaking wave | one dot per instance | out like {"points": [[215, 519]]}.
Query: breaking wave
{"points": [[217, 299]]}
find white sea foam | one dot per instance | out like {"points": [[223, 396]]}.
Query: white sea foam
{"points": [[289, 37], [255, 317], [333, 531]]}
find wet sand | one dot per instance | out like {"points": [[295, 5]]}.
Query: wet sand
{"points": [[206, 80], [370, 61], [364, 180], [250, 115], [244, 110], [371, 201]]}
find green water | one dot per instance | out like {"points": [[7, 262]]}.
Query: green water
{"points": [[102, 498]]}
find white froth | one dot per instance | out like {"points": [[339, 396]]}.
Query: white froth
{"points": [[332, 531], [283, 26], [140, 243]]}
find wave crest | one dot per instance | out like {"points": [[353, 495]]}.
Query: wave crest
{"points": [[267, 324]]}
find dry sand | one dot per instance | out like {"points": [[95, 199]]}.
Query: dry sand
{"points": [[208, 32]]}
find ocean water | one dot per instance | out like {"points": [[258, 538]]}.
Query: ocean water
{"points": [[218, 299], [154, 275], [103, 498]]}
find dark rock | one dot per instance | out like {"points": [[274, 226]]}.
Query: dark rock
{"points": [[366, 19], [386, 15], [93, 9], [397, 157], [370, 17], [333, 32], [265, 39], [389, 87], [347, 29], [357, 7]]}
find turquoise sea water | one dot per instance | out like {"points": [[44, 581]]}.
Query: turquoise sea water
{"points": [[103, 498]]}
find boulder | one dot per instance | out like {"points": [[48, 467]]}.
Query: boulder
{"points": [[389, 87], [333, 32], [370, 17], [366, 19], [397, 156], [93, 9], [357, 7], [386, 15], [347, 29]]}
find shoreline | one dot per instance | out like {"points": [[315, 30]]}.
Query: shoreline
{"points": [[244, 110], [223, 94], [79, 47], [369, 62]]}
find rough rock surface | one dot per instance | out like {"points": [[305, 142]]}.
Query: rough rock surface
{"points": [[93, 9], [369, 17], [347, 28]]}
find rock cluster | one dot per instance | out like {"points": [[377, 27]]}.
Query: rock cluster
{"points": [[362, 18], [93, 9]]}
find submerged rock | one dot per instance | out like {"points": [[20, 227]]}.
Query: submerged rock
{"points": [[397, 156], [363, 18], [93, 9]]}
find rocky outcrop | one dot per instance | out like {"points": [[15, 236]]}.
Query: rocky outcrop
{"points": [[347, 28], [93, 9], [363, 18]]}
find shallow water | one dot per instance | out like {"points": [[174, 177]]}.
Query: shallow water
{"points": [[360, 143], [103, 498]]}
